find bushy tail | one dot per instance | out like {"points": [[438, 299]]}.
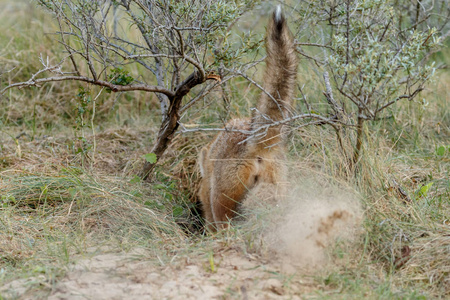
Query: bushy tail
{"points": [[279, 78]]}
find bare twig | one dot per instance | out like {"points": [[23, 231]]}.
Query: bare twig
{"points": [[314, 45], [409, 97], [113, 87], [262, 129], [329, 95]]}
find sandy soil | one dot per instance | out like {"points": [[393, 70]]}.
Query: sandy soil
{"points": [[126, 276], [113, 276], [296, 235]]}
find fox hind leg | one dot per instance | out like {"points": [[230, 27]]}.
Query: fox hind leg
{"points": [[227, 192]]}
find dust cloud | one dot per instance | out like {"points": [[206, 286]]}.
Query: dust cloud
{"points": [[301, 226]]}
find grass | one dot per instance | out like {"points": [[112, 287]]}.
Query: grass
{"points": [[60, 201], [47, 220]]}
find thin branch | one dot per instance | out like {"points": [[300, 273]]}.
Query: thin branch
{"points": [[410, 97], [242, 74], [329, 95], [204, 94], [68, 48], [189, 59], [113, 87], [316, 61], [263, 128], [313, 45], [151, 55]]}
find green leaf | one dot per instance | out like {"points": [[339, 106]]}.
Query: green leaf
{"points": [[168, 196], [136, 194], [440, 151], [153, 204], [177, 211], [39, 269], [44, 190], [211, 262], [150, 157], [72, 192], [159, 187], [135, 179], [423, 192]]}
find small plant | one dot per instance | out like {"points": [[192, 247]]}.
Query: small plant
{"points": [[82, 113], [150, 157], [212, 265], [423, 191], [119, 76], [443, 150], [7, 200]]}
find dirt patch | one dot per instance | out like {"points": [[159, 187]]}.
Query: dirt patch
{"points": [[128, 276]]}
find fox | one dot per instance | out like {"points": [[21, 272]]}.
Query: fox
{"points": [[234, 163]]}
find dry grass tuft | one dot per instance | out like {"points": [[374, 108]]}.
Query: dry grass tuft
{"points": [[429, 261], [62, 207]]}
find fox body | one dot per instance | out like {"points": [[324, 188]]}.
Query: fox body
{"points": [[232, 163]]}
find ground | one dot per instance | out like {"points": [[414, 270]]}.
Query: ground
{"points": [[76, 222], [274, 252]]}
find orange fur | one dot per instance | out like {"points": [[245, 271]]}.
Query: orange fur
{"points": [[232, 164]]}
